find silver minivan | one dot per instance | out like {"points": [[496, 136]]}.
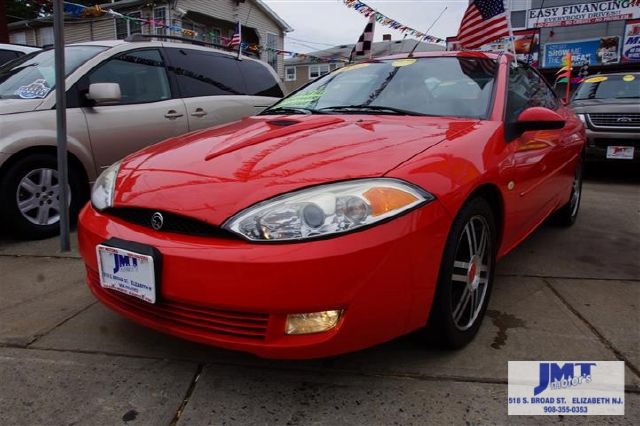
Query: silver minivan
{"points": [[121, 97]]}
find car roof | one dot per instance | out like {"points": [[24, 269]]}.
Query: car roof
{"points": [[153, 42], [18, 47]]}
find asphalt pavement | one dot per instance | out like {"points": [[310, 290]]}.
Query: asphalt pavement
{"points": [[564, 294]]}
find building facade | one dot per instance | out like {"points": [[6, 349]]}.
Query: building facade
{"points": [[300, 71], [211, 21]]}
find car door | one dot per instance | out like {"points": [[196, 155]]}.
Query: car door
{"points": [[212, 87], [537, 155], [147, 112]]}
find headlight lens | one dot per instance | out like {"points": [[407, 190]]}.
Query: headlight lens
{"points": [[326, 210], [102, 192], [582, 118]]}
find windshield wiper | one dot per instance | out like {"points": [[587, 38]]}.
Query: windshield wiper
{"points": [[290, 110], [371, 108]]}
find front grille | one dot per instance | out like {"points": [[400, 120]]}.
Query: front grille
{"points": [[618, 119], [171, 222], [242, 325], [603, 142]]}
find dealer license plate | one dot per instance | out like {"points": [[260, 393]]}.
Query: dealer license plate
{"points": [[127, 272], [620, 152]]}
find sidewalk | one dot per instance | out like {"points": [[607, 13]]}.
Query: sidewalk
{"points": [[565, 294]]}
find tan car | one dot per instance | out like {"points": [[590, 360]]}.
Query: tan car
{"points": [[121, 97]]}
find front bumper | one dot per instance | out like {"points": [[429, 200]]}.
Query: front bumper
{"points": [[236, 294], [598, 141]]}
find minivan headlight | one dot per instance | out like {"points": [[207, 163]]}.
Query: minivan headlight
{"points": [[326, 210], [102, 192]]}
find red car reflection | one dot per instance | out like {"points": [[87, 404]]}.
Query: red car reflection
{"points": [[370, 203]]}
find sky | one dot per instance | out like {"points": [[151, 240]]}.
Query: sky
{"points": [[319, 24]]}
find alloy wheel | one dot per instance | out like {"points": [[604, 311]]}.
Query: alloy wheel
{"points": [[38, 196], [576, 191], [471, 268]]}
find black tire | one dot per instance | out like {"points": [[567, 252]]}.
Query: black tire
{"points": [[478, 214], [567, 214], [18, 223]]}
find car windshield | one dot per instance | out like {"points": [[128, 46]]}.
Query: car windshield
{"points": [[619, 86], [33, 76], [440, 86]]}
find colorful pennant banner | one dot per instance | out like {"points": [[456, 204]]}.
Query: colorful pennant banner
{"points": [[382, 19]]}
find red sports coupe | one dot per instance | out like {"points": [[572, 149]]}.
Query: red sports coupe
{"points": [[370, 203]]}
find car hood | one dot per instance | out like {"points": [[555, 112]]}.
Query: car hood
{"points": [[212, 174], [14, 106], [605, 105]]}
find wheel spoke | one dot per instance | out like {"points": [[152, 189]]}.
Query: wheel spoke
{"points": [[28, 204], [30, 186], [43, 214], [461, 264], [462, 304], [459, 278], [469, 239], [483, 242]]}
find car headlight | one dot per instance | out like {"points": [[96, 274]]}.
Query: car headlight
{"points": [[326, 210], [582, 118], [102, 192]]}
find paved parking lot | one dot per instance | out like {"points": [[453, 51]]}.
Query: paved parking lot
{"points": [[565, 294]]}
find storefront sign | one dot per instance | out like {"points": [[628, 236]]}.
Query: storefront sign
{"points": [[584, 13], [631, 45], [597, 51]]}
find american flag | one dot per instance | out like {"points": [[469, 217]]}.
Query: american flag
{"points": [[363, 46], [236, 39], [483, 22]]}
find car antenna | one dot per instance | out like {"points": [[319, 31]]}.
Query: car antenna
{"points": [[426, 32]]}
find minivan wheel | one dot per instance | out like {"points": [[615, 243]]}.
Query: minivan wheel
{"points": [[466, 275], [30, 196]]}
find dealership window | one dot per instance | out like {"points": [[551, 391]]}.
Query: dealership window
{"points": [[290, 74], [318, 70], [272, 57], [45, 36], [519, 19], [127, 27], [160, 14], [216, 36]]}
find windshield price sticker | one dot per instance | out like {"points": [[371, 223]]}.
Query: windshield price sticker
{"points": [[566, 388], [403, 62], [629, 77], [596, 79], [36, 90]]}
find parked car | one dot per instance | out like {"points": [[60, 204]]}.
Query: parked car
{"points": [[609, 105], [9, 52], [355, 210], [121, 97]]}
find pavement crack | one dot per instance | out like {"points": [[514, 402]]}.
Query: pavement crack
{"points": [[560, 277], [609, 345], [187, 396], [40, 256], [70, 317]]}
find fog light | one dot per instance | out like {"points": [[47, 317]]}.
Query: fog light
{"points": [[314, 322]]}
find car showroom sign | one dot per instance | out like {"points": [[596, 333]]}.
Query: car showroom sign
{"points": [[584, 13], [596, 51], [631, 44]]}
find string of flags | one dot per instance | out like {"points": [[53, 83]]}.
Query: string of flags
{"points": [[82, 11], [382, 19]]}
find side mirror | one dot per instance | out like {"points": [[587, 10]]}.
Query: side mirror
{"points": [[534, 118], [104, 93]]}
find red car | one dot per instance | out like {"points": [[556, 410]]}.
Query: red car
{"points": [[368, 204]]}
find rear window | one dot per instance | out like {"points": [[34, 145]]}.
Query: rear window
{"points": [[259, 80], [201, 73], [619, 86]]}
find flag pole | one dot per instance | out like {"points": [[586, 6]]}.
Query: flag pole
{"points": [[512, 39], [240, 39]]}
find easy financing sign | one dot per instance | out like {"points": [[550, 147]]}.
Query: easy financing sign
{"points": [[583, 13]]}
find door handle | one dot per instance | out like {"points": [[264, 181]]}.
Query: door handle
{"points": [[171, 114], [199, 112]]}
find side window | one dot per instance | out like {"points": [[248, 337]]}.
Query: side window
{"points": [[141, 75], [259, 81], [7, 55], [527, 89], [202, 73]]}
